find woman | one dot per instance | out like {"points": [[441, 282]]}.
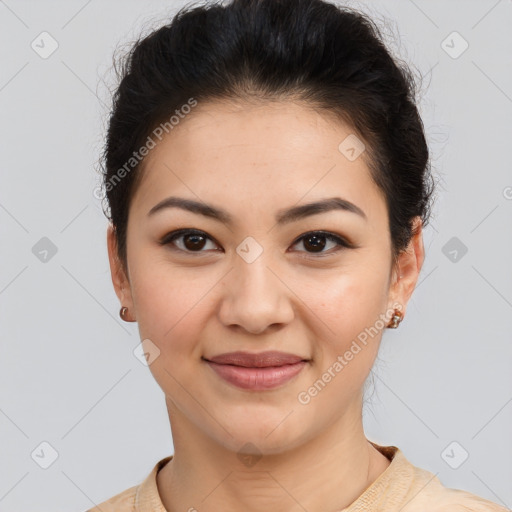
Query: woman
{"points": [[267, 179]]}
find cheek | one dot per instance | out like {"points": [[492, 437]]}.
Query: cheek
{"points": [[353, 298], [170, 304], [345, 357], [170, 313], [351, 307]]}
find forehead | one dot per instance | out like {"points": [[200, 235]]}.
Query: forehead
{"points": [[273, 153]]}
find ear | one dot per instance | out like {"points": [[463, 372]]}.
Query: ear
{"points": [[406, 270], [119, 278]]}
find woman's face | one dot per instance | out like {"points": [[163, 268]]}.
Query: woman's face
{"points": [[255, 283]]}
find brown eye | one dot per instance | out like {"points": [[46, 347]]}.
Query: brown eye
{"points": [[194, 242], [187, 240], [316, 241]]}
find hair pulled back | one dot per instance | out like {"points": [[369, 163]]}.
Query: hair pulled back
{"points": [[330, 57]]}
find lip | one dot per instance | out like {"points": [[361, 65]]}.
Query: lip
{"points": [[257, 360], [257, 371]]}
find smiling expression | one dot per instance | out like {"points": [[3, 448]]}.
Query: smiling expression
{"points": [[251, 232]]}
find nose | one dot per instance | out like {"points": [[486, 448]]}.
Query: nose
{"points": [[256, 297]]}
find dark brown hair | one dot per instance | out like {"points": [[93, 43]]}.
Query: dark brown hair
{"points": [[330, 57]]}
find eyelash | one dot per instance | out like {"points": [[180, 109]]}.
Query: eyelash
{"points": [[169, 238]]}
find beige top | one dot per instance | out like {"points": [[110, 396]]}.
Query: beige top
{"points": [[400, 487]]}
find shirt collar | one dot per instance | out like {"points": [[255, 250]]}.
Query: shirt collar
{"points": [[147, 497]]}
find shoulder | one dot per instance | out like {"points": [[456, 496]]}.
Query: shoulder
{"points": [[429, 494], [143, 496], [409, 488], [122, 502]]}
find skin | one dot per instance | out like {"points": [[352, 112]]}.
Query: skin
{"points": [[254, 161]]}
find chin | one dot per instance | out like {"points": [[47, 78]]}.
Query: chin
{"points": [[271, 434]]}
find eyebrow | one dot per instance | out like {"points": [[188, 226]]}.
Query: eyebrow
{"points": [[284, 216]]}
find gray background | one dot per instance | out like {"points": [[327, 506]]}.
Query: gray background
{"points": [[67, 369]]}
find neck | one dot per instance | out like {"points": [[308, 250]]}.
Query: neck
{"points": [[328, 472]]}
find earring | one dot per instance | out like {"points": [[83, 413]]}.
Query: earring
{"points": [[122, 312], [396, 319]]}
